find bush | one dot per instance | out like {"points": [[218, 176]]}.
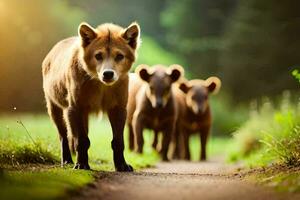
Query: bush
{"points": [[271, 135], [226, 117]]}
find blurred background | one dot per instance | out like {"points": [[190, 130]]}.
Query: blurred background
{"points": [[252, 45]]}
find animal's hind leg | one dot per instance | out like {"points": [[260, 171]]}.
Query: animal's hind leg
{"points": [[131, 137], [177, 143], [56, 115]]}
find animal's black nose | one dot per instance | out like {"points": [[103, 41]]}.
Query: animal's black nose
{"points": [[159, 104], [108, 75]]}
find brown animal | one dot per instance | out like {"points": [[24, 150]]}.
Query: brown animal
{"points": [[194, 114], [89, 73], [151, 104]]}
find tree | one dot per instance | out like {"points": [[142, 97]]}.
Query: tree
{"points": [[195, 29], [261, 48]]}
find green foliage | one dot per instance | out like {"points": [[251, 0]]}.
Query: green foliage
{"points": [[226, 117], [296, 74], [28, 140], [42, 145], [44, 184], [16, 154], [284, 145], [260, 48], [194, 29], [216, 146], [152, 53], [240, 41], [283, 182], [270, 135]]}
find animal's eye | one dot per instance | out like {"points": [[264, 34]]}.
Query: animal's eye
{"points": [[119, 57], [99, 56]]}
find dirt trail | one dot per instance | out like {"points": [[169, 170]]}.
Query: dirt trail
{"points": [[178, 180]]}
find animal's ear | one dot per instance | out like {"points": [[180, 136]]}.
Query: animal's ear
{"points": [[175, 72], [143, 72], [132, 35], [87, 33], [213, 84], [184, 86]]}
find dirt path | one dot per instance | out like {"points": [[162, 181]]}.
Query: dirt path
{"points": [[178, 180]]}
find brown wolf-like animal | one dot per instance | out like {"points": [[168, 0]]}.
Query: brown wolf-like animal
{"points": [[89, 73], [151, 104], [194, 114]]}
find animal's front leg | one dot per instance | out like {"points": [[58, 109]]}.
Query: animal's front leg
{"points": [[77, 123], [186, 144], [167, 135], [204, 133], [155, 140], [117, 118]]}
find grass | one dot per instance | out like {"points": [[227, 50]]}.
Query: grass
{"points": [[30, 154], [216, 146], [280, 177], [43, 142], [27, 145], [270, 136], [270, 139], [42, 184]]}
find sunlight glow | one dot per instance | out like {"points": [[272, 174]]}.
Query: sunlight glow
{"points": [[2, 7]]}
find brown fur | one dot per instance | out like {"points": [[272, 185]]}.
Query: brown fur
{"points": [[85, 74], [194, 114], [151, 105]]}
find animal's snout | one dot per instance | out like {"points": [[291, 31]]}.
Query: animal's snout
{"points": [[108, 75], [159, 104]]}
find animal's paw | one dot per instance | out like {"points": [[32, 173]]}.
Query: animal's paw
{"points": [[124, 168], [139, 151], [82, 166], [66, 163], [165, 159]]}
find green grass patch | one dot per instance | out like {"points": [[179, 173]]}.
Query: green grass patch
{"points": [[30, 154], [44, 184], [282, 178], [216, 146], [14, 154], [36, 141], [271, 138]]}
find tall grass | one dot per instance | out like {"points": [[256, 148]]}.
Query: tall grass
{"points": [[271, 135]]}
